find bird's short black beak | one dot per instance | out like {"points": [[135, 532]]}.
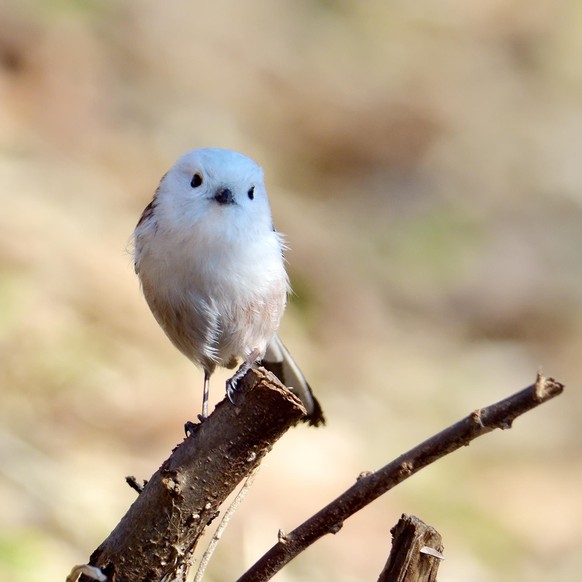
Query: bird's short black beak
{"points": [[224, 196]]}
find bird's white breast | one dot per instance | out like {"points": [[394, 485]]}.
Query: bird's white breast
{"points": [[217, 294]]}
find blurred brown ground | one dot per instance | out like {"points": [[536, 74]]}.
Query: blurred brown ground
{"points": [[424, 161]]}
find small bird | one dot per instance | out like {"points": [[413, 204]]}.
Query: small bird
{"points": [[212, 270]]}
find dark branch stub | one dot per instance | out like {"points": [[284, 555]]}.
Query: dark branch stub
{"points": [[132, 482], [416, 552]]}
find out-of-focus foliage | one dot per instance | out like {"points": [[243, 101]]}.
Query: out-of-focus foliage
{"points": [[423, 159]]}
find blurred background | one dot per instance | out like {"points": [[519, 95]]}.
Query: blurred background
{"points": [[423, 160]]}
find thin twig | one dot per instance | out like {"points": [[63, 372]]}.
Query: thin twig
{"points": [[330, 519], [223, 524]]}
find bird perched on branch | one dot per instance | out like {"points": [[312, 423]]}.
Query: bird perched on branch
{"points": [[212, 270]]}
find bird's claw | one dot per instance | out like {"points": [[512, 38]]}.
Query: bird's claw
{"points": [[231, 388], [232, 383]]}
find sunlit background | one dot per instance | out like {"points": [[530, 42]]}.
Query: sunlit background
{"points": [[423, 160]]}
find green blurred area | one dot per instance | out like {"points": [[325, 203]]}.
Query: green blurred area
{"points": [[423, 161]]}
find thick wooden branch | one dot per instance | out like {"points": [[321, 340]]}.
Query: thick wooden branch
{"points": [[162, 527], [369, 487], [416, 552]]}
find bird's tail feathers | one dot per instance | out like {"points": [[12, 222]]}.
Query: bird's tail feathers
{"points": [[279, 361]]}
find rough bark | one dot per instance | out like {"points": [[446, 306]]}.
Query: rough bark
{"points": [[158, 534]]}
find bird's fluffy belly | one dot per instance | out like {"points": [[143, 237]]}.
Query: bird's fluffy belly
{"points": [[204, 326]]}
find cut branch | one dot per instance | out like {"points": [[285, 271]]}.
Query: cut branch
{"points": [[158, 534], [415, 554], [330, 519]]}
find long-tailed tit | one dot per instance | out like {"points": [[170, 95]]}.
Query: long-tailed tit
{"points": [[212, 270]]}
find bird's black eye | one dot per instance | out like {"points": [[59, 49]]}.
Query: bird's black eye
{"points": [[196, 180], [251, 192]]}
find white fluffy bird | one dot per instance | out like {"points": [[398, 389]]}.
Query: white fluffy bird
{"points": [[212, 270]]}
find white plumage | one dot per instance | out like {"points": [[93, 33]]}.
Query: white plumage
{"points": [[212, 269]]}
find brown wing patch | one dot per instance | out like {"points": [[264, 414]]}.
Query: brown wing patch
{"points": [[150, 208], [148, 212]]}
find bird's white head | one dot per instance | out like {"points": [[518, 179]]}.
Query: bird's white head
{"points": [[214, 185]]}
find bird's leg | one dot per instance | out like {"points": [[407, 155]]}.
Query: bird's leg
{"points": [[231, 383], [205, 394], [189, 426]]}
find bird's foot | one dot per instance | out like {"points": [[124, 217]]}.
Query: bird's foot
{"points": [[232, 383], [231, 388], [190, 428]]}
